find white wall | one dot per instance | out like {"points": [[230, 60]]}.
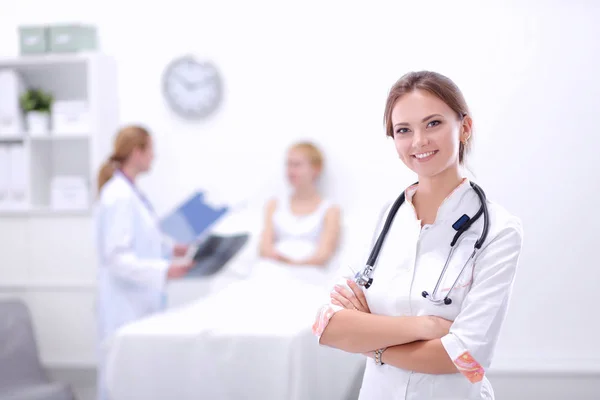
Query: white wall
{"points": [[322, 70]]}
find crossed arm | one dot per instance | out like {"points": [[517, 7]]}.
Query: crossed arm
{"points": [[411, 343], [468, 343], [426, 357]]}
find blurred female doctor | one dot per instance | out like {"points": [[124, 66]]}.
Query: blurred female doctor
{"points": [[134, 256], [430, 318]]}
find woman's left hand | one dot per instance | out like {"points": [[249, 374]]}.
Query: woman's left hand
{"points": [[353, 299], [283, 259]]}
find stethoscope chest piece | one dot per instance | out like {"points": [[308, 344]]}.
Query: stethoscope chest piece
{"points": [[447, 300], [363, 278]]}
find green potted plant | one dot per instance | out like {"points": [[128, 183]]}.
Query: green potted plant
{"points": [[37, 105]]}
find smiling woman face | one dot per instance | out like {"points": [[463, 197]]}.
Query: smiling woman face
{"points": [[427, 133]]}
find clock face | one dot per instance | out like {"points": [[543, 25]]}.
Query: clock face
{"points": [[192, 88]]}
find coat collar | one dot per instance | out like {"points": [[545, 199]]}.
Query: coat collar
{"points": [[451, 203]]}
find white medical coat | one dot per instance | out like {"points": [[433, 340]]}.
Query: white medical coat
{"points": [[410, 262], [132, 252]]}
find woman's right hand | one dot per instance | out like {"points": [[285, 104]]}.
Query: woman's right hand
{"points": [[353, 299], [434, 327], [179, 268]]}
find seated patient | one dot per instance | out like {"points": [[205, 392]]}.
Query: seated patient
{"points": [[301, 228]]}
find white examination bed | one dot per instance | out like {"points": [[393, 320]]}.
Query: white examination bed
{"points": [[249, 339]]}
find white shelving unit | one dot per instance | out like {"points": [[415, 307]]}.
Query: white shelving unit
{"points": [[88, 77], [48, 258]]}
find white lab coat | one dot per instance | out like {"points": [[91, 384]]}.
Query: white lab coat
{"points": [[410, 262], [132, 261]]}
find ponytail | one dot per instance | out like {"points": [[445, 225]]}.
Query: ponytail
{"points": [[107, 171]]}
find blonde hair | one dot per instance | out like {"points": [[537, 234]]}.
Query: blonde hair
{"points": [[128, 139], [312, 152]]}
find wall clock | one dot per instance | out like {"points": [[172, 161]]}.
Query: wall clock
{"points": [[192, 88]]}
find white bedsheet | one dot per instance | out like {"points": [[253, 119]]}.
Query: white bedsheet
{"points": [[251, 340]]}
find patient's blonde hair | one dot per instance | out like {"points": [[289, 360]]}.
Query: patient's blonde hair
{"points": [[312, 152]]}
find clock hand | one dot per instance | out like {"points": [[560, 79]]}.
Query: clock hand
{"points": [[183, 81], [201, 83]]}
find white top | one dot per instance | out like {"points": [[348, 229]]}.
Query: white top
{"points": [[297, 236], [410, 262]]}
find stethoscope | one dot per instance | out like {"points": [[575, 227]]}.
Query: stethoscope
{"points": [[139, 194], [363, 278]]}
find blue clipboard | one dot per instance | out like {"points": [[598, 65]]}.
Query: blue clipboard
{"points": [[192, 220]]}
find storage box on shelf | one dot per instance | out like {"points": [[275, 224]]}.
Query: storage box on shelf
{"points": [[71, 117], [69, 193], [33, 39], [67, 38], [54, 172], [58, 38], [51, 159]]}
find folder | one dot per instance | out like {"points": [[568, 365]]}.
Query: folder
{"points": [[192, 220]]}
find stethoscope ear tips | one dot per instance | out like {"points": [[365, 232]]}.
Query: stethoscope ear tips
{"points": [[425, 294], [447, 301]]}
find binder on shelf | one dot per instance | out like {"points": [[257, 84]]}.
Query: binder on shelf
{"points": [[18, 185], [4, 177], [11, 119]]}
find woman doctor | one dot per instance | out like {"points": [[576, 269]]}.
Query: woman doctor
{"points": [[133, 254], [424, 343]]}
